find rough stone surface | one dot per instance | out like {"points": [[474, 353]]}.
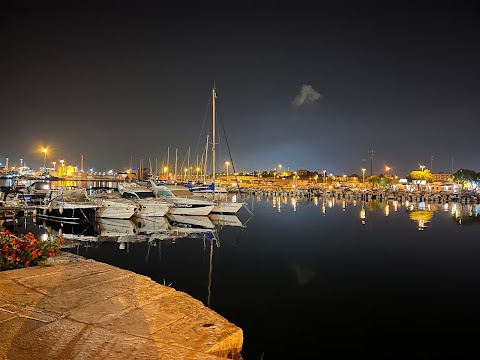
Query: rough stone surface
{"points": [[73, 308]]}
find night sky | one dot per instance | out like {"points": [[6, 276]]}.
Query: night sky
{"points": [[305, 84]]}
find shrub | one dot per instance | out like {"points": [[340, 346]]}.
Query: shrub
{"points": [[22, 251]]}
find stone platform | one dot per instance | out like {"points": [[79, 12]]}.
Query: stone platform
{"points": [[74, 308]]}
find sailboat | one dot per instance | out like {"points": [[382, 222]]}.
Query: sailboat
{"points": [[221, 205]]}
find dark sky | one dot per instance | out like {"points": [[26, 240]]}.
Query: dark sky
{"points": [[303, 84]]}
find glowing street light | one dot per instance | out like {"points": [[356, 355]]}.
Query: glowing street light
{"points": [[227, 163], [388, 170], [422, 167], [316, 179], [363, 176], [198, 169], [44, 150], [280, 168]]}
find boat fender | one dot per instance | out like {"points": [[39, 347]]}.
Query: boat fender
{"points": [[60, 232], [50, 207], [45, 211], [34, 213], [61, 209]]}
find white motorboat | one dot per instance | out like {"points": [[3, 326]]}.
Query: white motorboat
{"points": [[182, 200], [150, 204], [113, 206], [227, 207]]}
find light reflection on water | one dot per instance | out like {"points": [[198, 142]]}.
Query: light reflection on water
{"points": [[323, 277]]}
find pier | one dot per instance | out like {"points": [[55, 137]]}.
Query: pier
{"points": [[74, 308]]}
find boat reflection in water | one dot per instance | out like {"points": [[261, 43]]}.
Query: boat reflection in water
{"points": [[136, 229]]}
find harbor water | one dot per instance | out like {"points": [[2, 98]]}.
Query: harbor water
{"points": [[315, 277]]}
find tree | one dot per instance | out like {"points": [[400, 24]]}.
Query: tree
{"points": [[374, 180], [465, 176], [420, 175]]}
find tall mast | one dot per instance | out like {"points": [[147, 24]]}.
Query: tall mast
{"points": [[205, 166], [188, 164], [176, 162], [214, 96], [168, 162]]}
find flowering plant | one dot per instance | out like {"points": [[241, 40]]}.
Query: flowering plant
{"points": [[19, 251]]}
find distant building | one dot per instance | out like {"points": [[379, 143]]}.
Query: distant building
{"points": [[442, 177]]}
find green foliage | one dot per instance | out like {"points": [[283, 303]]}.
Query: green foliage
{"points": [[464, 175], [420, 175], [374, 180]]}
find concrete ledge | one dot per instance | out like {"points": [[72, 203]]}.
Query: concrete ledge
{"points": [[74, 308]]}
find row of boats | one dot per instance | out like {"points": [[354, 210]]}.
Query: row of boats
{"points": [[129, 199]]}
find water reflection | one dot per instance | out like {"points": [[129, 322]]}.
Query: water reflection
{"points": [[465, 214], [125, 231], [317, 262], [362, 213]]}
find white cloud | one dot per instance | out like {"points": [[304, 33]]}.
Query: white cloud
{"points": [[307, 95]]}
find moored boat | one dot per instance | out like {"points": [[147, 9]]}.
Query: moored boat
{"points": [[149, 203], [67, 204]]}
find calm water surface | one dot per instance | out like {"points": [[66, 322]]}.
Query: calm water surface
{"points": [[327, 279]]}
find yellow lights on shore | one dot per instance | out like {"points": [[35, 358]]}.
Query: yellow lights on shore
{"points": [[227, 163]]}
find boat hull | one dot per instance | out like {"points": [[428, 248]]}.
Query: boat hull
{"points": [[70, 212], [114, 209], [227, 208], [191, 209], [152, 209]]}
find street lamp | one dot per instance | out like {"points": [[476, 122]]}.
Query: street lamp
{"points": [[227, 163], [363, 176], [280, 168], [198, 169], [316, 179], [44, 150], [324, 177], [54, 164], [185, 177], [422, 167], [388, 170], [274, 176]]}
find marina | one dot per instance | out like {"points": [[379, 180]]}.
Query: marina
{"points": [[257, 181], [335, 274]]}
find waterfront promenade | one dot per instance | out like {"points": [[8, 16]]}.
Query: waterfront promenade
{"points": [[74, 308]]}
